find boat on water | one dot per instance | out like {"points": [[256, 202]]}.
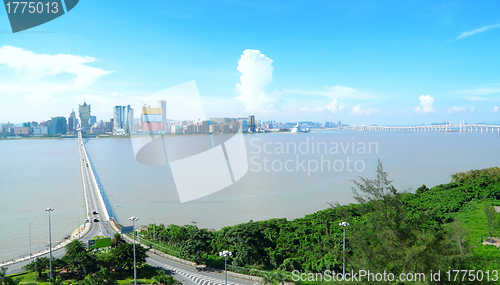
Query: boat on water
{"points": [[298, 129]]}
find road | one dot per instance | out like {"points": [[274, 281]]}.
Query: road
{"points": [[100, 227]]}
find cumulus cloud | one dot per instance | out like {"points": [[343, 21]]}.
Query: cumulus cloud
{"points": [[426, 101], [496, 110], [35, 67], [257, 74], [456, 110], [333, 107], [357, 110]]}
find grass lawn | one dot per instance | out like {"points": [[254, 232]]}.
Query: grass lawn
{"points": [[144, 276]]}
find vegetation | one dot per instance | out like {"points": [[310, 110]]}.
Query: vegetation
{"points": [[442, 228], [392, 231]]}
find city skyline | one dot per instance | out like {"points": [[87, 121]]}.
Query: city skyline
{"points": [[405, 64]]}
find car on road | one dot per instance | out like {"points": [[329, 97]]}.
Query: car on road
{"points": [[95, 213], [96, 220], [87, 164]]}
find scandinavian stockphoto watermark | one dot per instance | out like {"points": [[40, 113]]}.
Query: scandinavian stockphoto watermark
{"points": [[310, 155], [201, 164]]}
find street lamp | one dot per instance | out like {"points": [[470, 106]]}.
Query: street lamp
{"points": [[50, 243], [29, 230], [344, 224], [225, 253], [133, 219], [154, 233]]}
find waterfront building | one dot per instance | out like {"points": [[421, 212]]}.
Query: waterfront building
{"points": [[123, 119], [152, 118], [93, 120], [84, 112], [22, 131], [40, 131], [58, 126], [251, 123], [163, 105], [72, 122]]}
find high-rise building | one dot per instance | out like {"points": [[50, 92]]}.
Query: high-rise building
{"points": [[163, 105], [72, 122], [251, 123], [84, 111], [93, 120], [152, 118], [58, 126], [123, 118]]}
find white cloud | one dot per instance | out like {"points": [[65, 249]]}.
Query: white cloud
{"points": [[357, 110], [303, 109], [333, 107], [456, 110], [426, 101], [466, 34], [496, 110], [472, 110], [31, 70], [336, 91], [257, 74]]}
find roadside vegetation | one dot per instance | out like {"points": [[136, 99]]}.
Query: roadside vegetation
{"points": [[452, 226], [442, 228], [79, 266]]}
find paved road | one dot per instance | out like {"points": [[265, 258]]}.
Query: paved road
{"points": [[184, 274]]}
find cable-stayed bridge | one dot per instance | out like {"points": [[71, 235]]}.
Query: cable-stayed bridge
{"points": [[446, 127]]}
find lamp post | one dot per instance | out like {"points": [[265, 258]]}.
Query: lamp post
{"points": [[29, 231], [225, 253], [50, 243], [344, 224], [133, 219], [154, 233]]}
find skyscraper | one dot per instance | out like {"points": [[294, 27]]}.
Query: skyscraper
{"points": [[72, 122], [163, 105], [251, 123], [57, 126], [123, 118], [84, 111]]}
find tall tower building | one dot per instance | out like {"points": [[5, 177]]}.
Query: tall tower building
{"points": [[251, 123], [123, 118], [84, 111], [163, 105], [72, 122]]}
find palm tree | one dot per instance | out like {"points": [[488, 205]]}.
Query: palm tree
{"points": [[3, 274], [116, 241]]}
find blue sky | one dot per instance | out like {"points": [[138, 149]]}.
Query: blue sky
{"points": [[382, 62]]}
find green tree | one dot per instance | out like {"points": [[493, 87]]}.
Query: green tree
{"points": [[161, 278], [104, 277], [389, 238], [491, 218], [117, 240], [38, 266], [3, 274], [89, 280], [123, 255], [12, 281], [56, 281]]}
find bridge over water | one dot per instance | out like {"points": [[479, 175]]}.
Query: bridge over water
{"points": [[447, 127]]}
